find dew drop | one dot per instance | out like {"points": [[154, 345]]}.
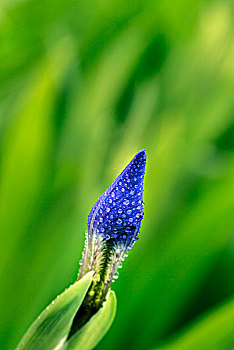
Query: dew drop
{"points": [[119, 221], [126, 202]]}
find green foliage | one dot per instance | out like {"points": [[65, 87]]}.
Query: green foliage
{"points": [[50, 329], [93, 331], [83, 86], [54, 322], [215, 331]]}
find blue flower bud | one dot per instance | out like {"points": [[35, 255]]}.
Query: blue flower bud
{"points": [[117, 214], [113, 227]]}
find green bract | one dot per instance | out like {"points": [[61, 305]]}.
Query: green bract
{"points": [[50, 329]]}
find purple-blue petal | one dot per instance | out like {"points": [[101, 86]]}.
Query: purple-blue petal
{"points": [[118, 212]]}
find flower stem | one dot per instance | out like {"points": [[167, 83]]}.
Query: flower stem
{"points": [[97, 291]]}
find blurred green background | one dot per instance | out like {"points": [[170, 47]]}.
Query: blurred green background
{"points": [[84, 85]]}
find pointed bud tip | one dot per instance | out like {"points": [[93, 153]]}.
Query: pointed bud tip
{"points": [[141, 155]]}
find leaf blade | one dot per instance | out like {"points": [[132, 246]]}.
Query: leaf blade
{"points": [[94, 330], [212, 331], [53, 323]]}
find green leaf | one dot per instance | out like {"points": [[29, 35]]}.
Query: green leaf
{"points": [[214, 331], [94, 330], [50, 328]]}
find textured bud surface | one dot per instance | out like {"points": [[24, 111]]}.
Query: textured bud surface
{"points": [[113, 227], [118, 212]]}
